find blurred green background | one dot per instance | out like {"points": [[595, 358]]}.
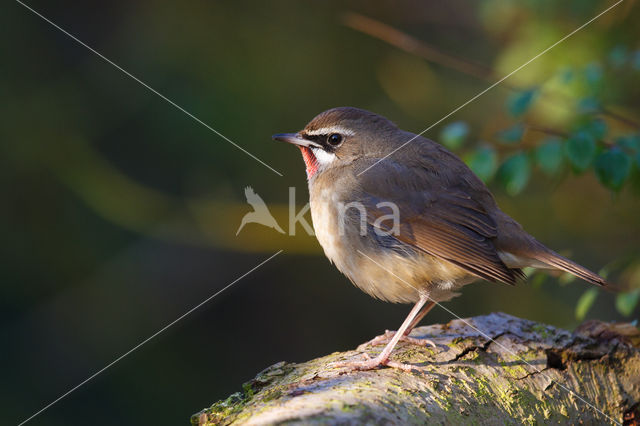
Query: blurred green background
{"points": [[119, 212]]}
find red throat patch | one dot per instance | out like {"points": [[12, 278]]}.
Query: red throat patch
{"points": [[309, 160]]}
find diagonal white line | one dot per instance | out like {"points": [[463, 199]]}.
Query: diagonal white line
{"points": [[496, 342], [494, 84], [147, 340], [150, 88]]}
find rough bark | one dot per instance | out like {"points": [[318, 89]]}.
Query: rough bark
{"points": [[526, 373]]}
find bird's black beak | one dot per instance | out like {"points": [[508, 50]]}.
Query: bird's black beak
{"points": [[295, 139]]}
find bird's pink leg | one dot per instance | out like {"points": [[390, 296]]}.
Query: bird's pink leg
{"points": [[383, 357], [388, 334]]}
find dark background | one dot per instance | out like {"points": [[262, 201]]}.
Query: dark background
{"points": [[119, 212]]}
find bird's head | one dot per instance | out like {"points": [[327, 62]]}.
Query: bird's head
{"points": [[339, 136]]}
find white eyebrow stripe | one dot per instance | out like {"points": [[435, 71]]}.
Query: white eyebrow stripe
{"points": [[329, 130]]}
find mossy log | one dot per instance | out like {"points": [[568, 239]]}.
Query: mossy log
{"points": [[526, 372]]}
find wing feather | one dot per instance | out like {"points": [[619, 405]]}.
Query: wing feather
{"points": [[444, 222]]}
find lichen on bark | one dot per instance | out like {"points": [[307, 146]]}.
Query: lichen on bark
{"points": [[493, 369]]}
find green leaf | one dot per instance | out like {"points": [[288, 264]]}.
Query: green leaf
{"points": [[454, 134], [593, 74], [566, 278], [618, 56], [634, 178], [630, 142], [585, 302], [627, 302], [519, 103], [549, 156], [589, 105], [515, 172], [597, 128], [612, 168], [511, 135], [566, 75], [580, 150], [635, 60], [537, 279], [483, 161], [631, 145]]}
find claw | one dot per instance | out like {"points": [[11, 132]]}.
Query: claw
{"points": [[340, 364], [368, 364], [372, 363], [388, 335], [419, 310]]}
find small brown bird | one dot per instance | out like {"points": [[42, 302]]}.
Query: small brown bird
{"points": [[408, 223]]}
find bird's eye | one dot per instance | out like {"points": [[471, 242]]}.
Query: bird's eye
{"points": [[334, 139]]}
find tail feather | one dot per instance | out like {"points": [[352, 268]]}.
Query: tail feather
{"points": [[554, 260]]}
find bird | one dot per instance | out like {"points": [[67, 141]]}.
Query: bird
{"points": [[260, 213], [407, 221]]}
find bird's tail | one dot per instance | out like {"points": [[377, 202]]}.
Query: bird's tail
{"points": [[556, 261]]}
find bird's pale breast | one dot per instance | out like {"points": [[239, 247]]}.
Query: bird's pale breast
{"points": [[380, 266]]}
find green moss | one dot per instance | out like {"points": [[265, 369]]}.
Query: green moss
{"points": [[247, 388], [516, 371], [350, 408], [346, 408], [271, 395], [470, 371], [542, 330], [474, 357], [435, 384], [530, 355], [455, 342], [456, 382], [443, 402], [483, 389], [222, 409], [563, 411]]}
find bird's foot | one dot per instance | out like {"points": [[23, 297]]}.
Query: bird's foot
{"points": [[371, 363], [388, 335]]}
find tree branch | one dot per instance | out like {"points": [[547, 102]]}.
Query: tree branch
{"points": [[526, 372]]}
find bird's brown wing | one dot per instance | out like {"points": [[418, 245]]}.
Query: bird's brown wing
{"points": [[442, 220]]}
